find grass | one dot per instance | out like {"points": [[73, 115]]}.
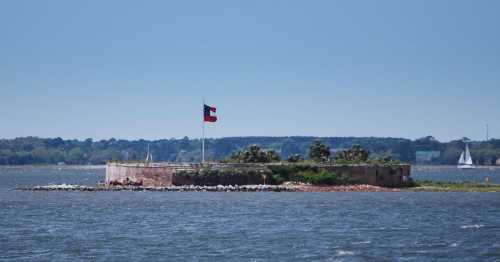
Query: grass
{"points": [[434, 186]]}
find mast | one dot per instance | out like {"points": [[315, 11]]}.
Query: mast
{"points": [[487, 133], [203, 136]]}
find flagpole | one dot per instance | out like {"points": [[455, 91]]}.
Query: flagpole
{"points": [[203, 136]]}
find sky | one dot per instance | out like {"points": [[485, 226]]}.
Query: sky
{"points": [[141, 69]]}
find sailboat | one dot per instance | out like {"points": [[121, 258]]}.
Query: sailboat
{"points": [[149, 156], [465, 160]]}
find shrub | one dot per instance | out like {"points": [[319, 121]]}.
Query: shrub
{"points": [[277, 180], [287, 172], [322, 177]]}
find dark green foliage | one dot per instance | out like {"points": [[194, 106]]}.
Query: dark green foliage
{"points": [[277, 179], [355, 154], [386, 161], [295, 158], [306, 173], [230, 176], [319, 152], [427, 143], [272, 156], [33, 150], [265, 174], [322, 177], [287, 172], [255, 155]]}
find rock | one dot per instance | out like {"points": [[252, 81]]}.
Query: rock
{"points": [[187, 188]]}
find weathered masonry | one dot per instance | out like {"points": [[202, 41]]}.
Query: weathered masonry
{"points": [[167, 174], [386, 176], [143, 174]]}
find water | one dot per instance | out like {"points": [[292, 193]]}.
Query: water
{"points": [[453, 174], [195, 226]]}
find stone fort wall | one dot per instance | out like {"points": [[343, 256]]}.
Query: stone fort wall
{"points": [[167, 174], [144, 174]]}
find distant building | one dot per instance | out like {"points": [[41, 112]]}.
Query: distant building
{"points": [[498, 162], [426, 156]]}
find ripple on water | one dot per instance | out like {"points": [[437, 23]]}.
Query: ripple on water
{"points": [[475, 226], [361, 242], [344, 253], [113, 226]]}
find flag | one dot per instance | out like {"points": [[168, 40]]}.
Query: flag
{"points": [[207, 113]]}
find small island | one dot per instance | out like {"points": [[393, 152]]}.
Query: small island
{"points": [[255, 169], [349, 170]]}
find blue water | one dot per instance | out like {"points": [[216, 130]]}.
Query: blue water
{"points": [[453, 174], [195, 226]]}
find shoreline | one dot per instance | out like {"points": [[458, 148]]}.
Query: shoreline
{"points": [[346, 188], [103, 166], [268, 188], [185, 188], [436, 186], [56, 166], [219, 188]]}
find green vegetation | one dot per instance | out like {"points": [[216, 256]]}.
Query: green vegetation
{"points": [[228, 176], [355, 154], [322, 177], [386, 161], [289, 172], [312, 172], [434, 186], [33, 150], [319, 152], [295, 158], [254, 154], [306, 173], [261, 174]]}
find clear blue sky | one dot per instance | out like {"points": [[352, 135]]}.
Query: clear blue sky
{"points": [[139, 69]]}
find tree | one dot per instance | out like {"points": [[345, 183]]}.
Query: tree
{"points": [[295, 158], [34, 150], [356, 154], [319, 152], [254, 154], [76, 156], [272, 156]]}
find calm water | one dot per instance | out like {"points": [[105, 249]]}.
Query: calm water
{"points": [[177, 226], [452, 173]]}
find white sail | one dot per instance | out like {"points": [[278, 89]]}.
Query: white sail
{"points": [[468, 158], [461, 160], [149, 156]]}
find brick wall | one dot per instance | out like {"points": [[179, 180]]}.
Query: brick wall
{"points": [[163, 174]]}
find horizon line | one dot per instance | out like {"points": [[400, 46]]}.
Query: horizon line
{"points": [[252, 136]]}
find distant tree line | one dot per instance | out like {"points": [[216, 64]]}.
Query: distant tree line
{"points": [[33, 150]]}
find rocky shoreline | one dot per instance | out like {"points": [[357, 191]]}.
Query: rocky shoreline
{"points": [[219, 188], [186, 188]]}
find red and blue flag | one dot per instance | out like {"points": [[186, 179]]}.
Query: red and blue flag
{"points": [[207, 113]]}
